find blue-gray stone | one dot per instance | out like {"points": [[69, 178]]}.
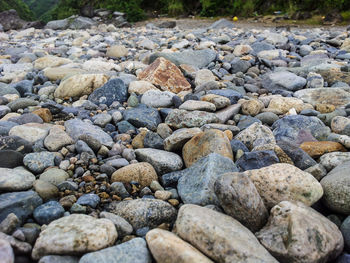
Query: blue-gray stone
{"points": [[238, 145], [5, 127], [8, 90], [48, 212], [4, 110], [196, 185], [119, 189], [343, 258], [246, 121], [59, 259], [261, 46], [171, 179], [21, 103], [81, 146], [345, 230], [153, 140], [222, 23], [124, 126], [239, 65], [256, 160], [26, 118], [283, 80], [91, 200], [113, 90], [232, 95], [267, 117], [39, 161], [23, 87], [133, 251], [22, 204], [143, 116]]}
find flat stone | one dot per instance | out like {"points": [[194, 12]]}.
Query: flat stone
{"points": [[283, 81], [31, 132], [21, 103], [184, 119], [143, 116], [56, 73], [10, 159], [196, 105], [177, 139], [50, 61], [57, 139], [54, 176], [112, 90], [39, 161], [157, 98], [334, 96], [18, 179], [317, 149], [140, 87], [46, 213], [333, 159]]}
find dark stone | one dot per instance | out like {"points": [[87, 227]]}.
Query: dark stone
{"points": [[167, 24], [238, 145], [94, 144], [26, 118], [143, 116], [153, 140], [113, 90], [87, 10], [343, 258], [246, 121], [345, 230], [234, 96], [176, 101], [5, 127], [256, 160], [10, 159], [91, 200], [15, 143], [23, 87], [11, 20], [48, 212], [171, 179], [21, 103], [119, 189], [81, 146], [238, 65], [124, 126]]}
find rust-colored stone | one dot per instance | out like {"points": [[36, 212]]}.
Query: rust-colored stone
{"points": [[44, 113], [166, 75], [317, 149]]}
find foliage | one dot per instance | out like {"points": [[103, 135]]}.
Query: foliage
{"points": [[40, 7], [21, 8]]}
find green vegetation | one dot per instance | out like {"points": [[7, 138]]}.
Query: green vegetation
{"points": [[22, 9]]}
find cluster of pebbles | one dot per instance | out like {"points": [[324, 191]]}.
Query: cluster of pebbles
{"points": [[147, 144]]}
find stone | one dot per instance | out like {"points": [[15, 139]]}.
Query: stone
{"points": [[333, 159], [202, 144], [6, 252], [58, 259], [157, 98], [44, 114], [133, 251], [153, 140], [240, 199], [10, 159], [196, 105], [48, 212], [219, 236], [162, 161], [9, 224], [196, 183], [227, 113], [256, 160], [345, 228], [117, 51], [317, 149], [336, 189], [203, 76], [219, 101], [123, 227], [143, 116], [279, 182], [256, 134], [58, 24], [184, 119], [46, 190], [143, 173], [57, 139], [50, 61], [177, 139], [112, 90], [167, 247], [140, 87], [339, 123], [165, 74], [282, 105], [57, 73], [22, 204], [31, 132], [17, 179], [39, 161], [283, 81], [91, 200], [252, 107], [74, 234], [302, 225], [79, 85], [144, 212], [76, 127], [21, 103], [334, 96], [54, 176]]}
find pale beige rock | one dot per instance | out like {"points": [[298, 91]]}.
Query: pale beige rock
{"points": [[57, 138], [297, 233], [10, 115], [203, 76], [282, 105], [75, 234], [219, 101], [241, 50], [6, 252], [117, 51], [281, 181], [166, 247], [61, 72], [96, 65], [252, 107], [17, 179], [79, 85], [177, 139], [50, 61], [219, 236], [192, 105], [346, 45], [31, 131], [339, 123], [143, 173], [140, 87]]}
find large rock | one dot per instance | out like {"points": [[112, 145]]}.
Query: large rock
{"points": [[209, 141], [221, 24], [196, 184], [39, 161], [79, 85], [10, 20], [6, 252], [17, 179], [239, 198], [82, 23], [334, 96], [113, 90], [22, 204], [162, 161], [117, 51], [61, 72], [143, 116], [297, 233], [31, 132], [166, 75], [197, 58], [185, 119], [58, 24], [281, 105], [50, 61], [76, 127], [336, 189], [280, 182], [219, 236], [177, 139], [73, 235], [144, 212], [167, 247], [133, 251], [283, 81]]}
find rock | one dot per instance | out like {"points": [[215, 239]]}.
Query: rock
{"points": [[334, 96], [339, 124], [280, 182], [225, 114], [336, 189], [22, 204], [82, 23], [50, 61], [10, 159], [252, 107], [153, 140], [202, 144], [317, 149], [221, 24], [9, 224], [74, 234], [31, 132], [140, 87], [144, 212], [167, 247], [197, 58], [196, 183], [79, 85], [283, 81], [142, 116], [196, 105], [56, 139], [233, 95], [157, 98], [203, 76], [302, 225], [56, 73], [256, 160], [219, 101], [165, 74], [17, 179], [54, 176], [44, 114], [48, 212], [117, 51], [38, 162], [237, 243], [344, 228], [11, 20], [59, 259], [332, 160], [21, 103], [162, 161], [282, 105], [133, 251], [91, 200], [112, 90], [143, 173], [256, 134], [6, 252], [123, 227], [46, 190], [184, 119], [177, 139], [76, 128], [58, 24], [239, 198]]}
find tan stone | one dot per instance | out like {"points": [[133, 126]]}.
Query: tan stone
{"points": [[177, 139], [241, 50], [117, 51], [10, 115], [281, 105], [167, 247], [346, 45], [166, 75], [219, 101], [44, 113], [140, 87], [297, 233], [201, 145], [192, 105], [137, 142], [339, 123], [50, 61], [143, 173], [61, 72], [79, 85], [317, 149], [252, 107], [57, 138], [46, 190], [325, 108]]}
